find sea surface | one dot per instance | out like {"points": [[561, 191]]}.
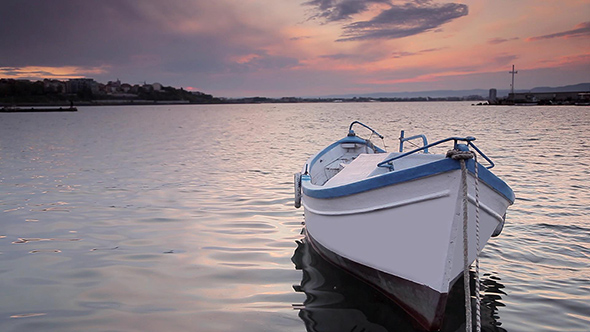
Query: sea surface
{"points": [[181, 218]]}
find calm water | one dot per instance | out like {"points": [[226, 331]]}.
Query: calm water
{"points": [[180, 218]]}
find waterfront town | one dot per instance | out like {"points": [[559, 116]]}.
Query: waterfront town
{"points": [[89, 92]]}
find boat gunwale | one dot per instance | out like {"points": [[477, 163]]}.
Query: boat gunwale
{"points": [[400, 176]]}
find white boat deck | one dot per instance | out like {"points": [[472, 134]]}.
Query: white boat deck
{"points": [[365, 166]]}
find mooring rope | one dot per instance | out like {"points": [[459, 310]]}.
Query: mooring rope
{"points": [[477, 281], [462, 156], [468, 324]]}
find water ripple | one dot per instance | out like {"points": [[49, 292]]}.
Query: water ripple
{"points": [[185, 213]]}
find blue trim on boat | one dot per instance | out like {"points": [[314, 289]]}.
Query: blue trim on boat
{"points": [[404, 175], [491, 180]]}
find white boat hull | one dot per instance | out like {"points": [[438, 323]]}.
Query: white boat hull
{"points": [[405, 239]]}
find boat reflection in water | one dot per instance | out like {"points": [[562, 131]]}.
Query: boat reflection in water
{"points": [[337, 301]]}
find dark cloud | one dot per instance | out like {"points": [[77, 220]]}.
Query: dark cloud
{"points": [[433, 49], [357, 57], [403, 21], [337, 10], [299, 38], [397, 55], [338, 56], [580, 30], [504, 59], [495, 41], [397, 21], [403, 54], [59, 33], [135, 40]]}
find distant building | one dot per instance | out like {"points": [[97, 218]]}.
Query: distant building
{"points": [[54, 86], [493, 96], [147, 87], [113, 87], [125, 88], [157, 86], [116, 84], [548, 97], [76, 85]]}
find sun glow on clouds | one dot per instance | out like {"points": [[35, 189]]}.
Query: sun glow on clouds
{"points": [[431, 77], [376, 42], [578, 59], [38, 72], [242, 59]]}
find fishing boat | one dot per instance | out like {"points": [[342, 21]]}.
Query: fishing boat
{"points": [[396, 219]]}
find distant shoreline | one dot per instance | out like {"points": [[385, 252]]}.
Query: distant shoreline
{"points": [[254, 100], [88, 92], [41, 107]]}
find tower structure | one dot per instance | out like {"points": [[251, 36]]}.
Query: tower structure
{"points": [[512, 85]]}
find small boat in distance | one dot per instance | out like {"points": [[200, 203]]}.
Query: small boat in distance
{"points": [[395, 220]]}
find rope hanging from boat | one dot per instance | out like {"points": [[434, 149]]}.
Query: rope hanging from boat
{"points": [[477, 281], [462, 156], [468, 324]]}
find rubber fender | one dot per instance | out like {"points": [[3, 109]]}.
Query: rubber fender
{"points": [[500, 227], [297, 183]]}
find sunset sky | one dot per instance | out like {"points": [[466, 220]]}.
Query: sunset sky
{"points": [[277, 48]]}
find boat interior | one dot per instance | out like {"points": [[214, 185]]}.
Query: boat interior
{"points": [[353, 158], [367, 165]]}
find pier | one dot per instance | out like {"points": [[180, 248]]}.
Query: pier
{"points": [[37, 109]]}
